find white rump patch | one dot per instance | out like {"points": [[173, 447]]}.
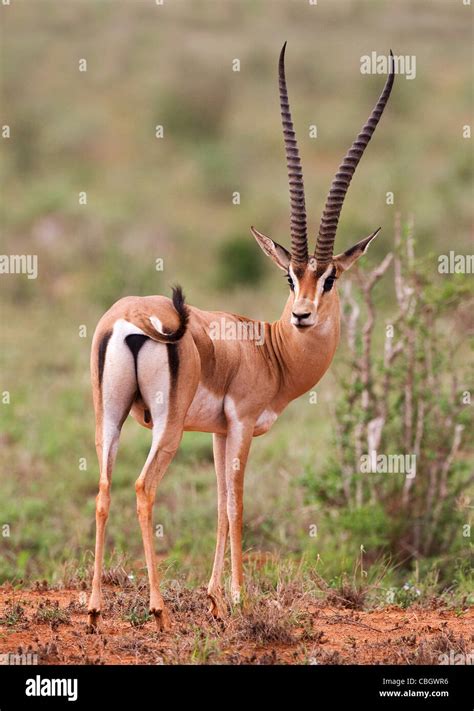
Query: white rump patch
{"points": [[118, 384]]}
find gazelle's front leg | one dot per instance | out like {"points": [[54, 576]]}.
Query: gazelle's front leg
{"points": [[214, 590], [239, 437]]}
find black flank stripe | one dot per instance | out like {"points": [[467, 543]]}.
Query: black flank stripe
{"points": [[102, 351], [173, 361]]}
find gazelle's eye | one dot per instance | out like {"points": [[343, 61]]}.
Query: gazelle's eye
{"points": [[290, 281], [328, 283]]}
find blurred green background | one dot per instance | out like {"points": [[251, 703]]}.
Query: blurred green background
{"points": [[170, 198]]}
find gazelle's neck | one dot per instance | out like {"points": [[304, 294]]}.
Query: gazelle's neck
{"points": [[305, 355]]}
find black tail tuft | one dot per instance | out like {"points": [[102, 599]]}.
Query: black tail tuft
{"points": [[182, 311]]}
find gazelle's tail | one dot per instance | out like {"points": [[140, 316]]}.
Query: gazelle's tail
{"points": [[159, 333]]}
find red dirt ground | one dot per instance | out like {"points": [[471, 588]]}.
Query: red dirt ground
{"points": [[53, 625]]}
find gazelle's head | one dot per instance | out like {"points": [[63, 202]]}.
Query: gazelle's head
{"points": [[312, 278]]}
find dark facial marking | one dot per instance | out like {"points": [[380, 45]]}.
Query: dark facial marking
{"points": [[298, 271], [329, 281], [290, 281], [102, 351]]}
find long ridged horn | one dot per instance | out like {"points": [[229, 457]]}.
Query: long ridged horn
{"points": [[298, 231], [340, 184]]}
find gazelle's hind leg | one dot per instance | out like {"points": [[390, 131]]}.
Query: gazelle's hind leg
{"points": [[161, 453], [167, 392], [113, 396]]}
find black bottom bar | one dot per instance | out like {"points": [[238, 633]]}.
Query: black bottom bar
{"points": [[25, 687]]}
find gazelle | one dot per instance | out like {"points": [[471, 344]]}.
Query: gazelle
{"points": [[156, 358]]}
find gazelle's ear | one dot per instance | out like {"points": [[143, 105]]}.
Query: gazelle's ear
{"points": [[346, 259], [275, 251]]}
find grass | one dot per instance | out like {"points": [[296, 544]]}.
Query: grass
{"points": [[50, 613], [172, 199], [266, 624], [13, 615], [204, 649], [49, 503], [138, 614]]}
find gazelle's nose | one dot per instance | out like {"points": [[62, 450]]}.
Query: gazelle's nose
{"points": [[300, 317]]}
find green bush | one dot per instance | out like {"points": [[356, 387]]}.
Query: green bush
{"points": [[406, 397], [240, 263]]}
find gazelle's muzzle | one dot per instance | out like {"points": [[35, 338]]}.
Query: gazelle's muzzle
{"points": [[303, 313]]}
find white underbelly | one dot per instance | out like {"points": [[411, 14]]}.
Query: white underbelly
{"points": [[206, 412], [264, 422]]}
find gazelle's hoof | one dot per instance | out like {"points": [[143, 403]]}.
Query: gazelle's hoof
{"points": [[162, 618], [92, 620], [217, 605]]}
